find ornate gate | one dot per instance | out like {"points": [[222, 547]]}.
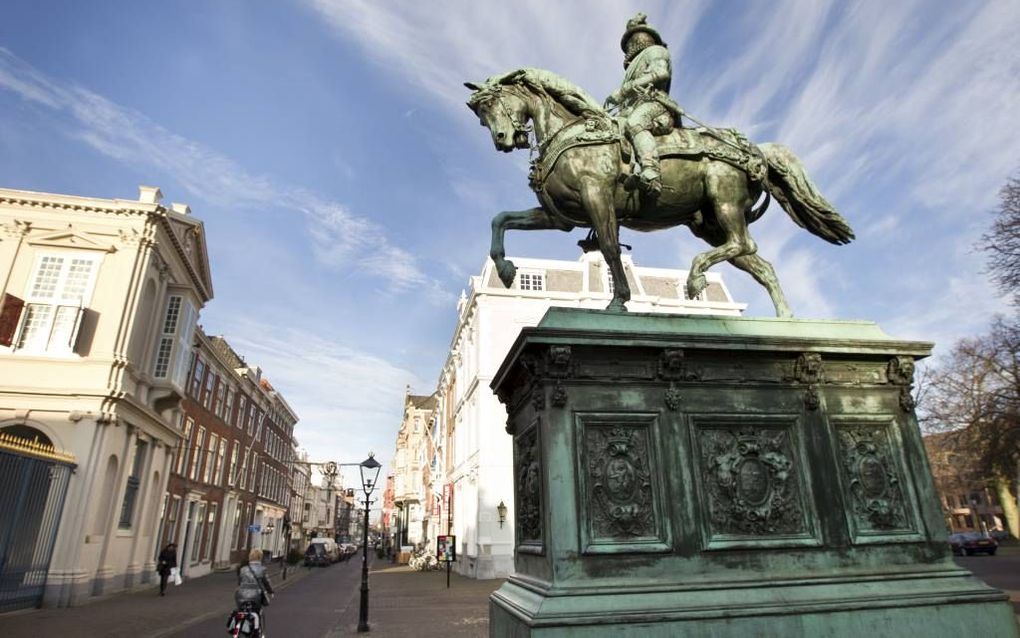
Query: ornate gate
{"points": [[33, 484]]}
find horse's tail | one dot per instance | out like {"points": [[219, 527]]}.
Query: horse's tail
{"points": [[790, 185]]}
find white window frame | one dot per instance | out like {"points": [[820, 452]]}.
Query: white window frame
{"points": [[232, 471], [197, 449], [55, 302], [210, 458], [531, 280]]}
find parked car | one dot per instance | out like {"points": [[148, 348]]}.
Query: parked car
{"points": [[968, 543], [347, 550]]}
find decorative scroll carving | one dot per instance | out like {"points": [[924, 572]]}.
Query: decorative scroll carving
{"points": [[558, 362], [809, 370], [871, 479], [620, 485], [538, 398], [901, 372], [528, 470], [673, 365], [673, 398], [811, 398], [751, 482], [559, 396]]}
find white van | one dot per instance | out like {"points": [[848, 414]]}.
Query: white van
{"points": [[324, 547]]}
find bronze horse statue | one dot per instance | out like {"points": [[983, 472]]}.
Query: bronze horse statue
{"points": [[711, 181]]}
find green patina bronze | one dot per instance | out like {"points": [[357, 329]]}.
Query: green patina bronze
{"points": [[704, 476], [725, 477], [643, 170]]}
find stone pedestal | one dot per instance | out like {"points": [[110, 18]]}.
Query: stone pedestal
{"points": [[725, 477]]}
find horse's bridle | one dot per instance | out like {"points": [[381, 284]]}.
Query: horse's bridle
{"points": [[520, 129]]}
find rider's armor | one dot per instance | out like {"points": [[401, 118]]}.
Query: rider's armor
{"points": [[645, 105]]}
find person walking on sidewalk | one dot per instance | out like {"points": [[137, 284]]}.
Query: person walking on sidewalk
{"points": [[167, 561], [253, 586]]}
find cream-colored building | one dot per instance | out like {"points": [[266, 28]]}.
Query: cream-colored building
{"points": [[101, 298], [469, 418], [411, 480]]}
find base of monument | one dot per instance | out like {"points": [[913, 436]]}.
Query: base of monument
{"points": [[725, 476], [945, 603]]}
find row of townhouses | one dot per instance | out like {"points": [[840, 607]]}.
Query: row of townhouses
{"points": [[123, 426], [452, 470]]}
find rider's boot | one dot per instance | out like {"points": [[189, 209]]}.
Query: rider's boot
{"points": [[648, 156]]}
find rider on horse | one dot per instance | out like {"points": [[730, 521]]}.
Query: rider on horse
{"points": [[645, 105]]}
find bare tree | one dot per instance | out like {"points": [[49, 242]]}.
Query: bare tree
{"points": [[974, 397], [1002, 242]]}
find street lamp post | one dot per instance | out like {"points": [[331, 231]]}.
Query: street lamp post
{"points": [[369, 474]]}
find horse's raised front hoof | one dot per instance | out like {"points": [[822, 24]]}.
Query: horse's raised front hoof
{"points": [[784, 312], [617, 305], [507, 271], [695, 285]]}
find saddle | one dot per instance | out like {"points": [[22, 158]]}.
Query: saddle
{"points": [[726, 145]]}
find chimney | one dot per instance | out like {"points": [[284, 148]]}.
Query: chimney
{"points": [[183, 209], [149, 194]]}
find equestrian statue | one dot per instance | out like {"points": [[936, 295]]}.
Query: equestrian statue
{"points": [[643, 169]]}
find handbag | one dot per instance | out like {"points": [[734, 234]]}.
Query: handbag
{"points": [[258, 581], [175, 576]]}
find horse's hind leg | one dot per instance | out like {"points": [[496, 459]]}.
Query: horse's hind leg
{"points": [[531, 219], [763, 273], [726, 188]]}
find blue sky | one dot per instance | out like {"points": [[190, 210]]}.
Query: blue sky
{"points": [[347, 190]]}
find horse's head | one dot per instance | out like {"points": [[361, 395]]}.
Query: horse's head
{"points": [[501, 108]]}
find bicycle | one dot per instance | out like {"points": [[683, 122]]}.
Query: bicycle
{"points": [[245, 622]]}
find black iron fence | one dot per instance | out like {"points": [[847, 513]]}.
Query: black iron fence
{"points": [[33, 484]]}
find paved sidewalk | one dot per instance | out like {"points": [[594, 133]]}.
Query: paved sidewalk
{"points": [[403, 602], [139, 613]]}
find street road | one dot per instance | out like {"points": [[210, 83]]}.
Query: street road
{"points": [[1001, 571], [310, 608]]}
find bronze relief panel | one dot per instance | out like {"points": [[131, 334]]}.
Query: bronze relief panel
{"points": [[753, 482], [528, 490], [879, 502], [621, 498]]}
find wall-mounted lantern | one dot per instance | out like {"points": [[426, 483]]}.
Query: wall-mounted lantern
{"points": [[501, 508]]}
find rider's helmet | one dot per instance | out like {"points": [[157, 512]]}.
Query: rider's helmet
{"points": [[639, 24]]}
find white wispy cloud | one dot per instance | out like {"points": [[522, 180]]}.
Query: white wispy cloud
{"points": [[344, 396], [861, 91], [341, 239]]}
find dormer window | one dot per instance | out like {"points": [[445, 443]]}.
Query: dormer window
{"points": [[531, 281]]}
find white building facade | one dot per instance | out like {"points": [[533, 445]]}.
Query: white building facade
{"points": [[100, 303], [478, 452]]}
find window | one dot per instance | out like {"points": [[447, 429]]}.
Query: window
{"points": [[199, 523], [232, 472], [196, 454], [57, 294], [217, 476], [218, 401], [531, 281], [244, 472], [198, 378], [127, 509], [254, 470], [242, 409], [166, 339], [228, 408], [252, 414], [182, 455], [210, 525], [236, 528], [210, 458], [244, 523], [210, 383]]}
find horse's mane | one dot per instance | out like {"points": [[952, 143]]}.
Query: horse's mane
{"points": [[572, 97]]}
